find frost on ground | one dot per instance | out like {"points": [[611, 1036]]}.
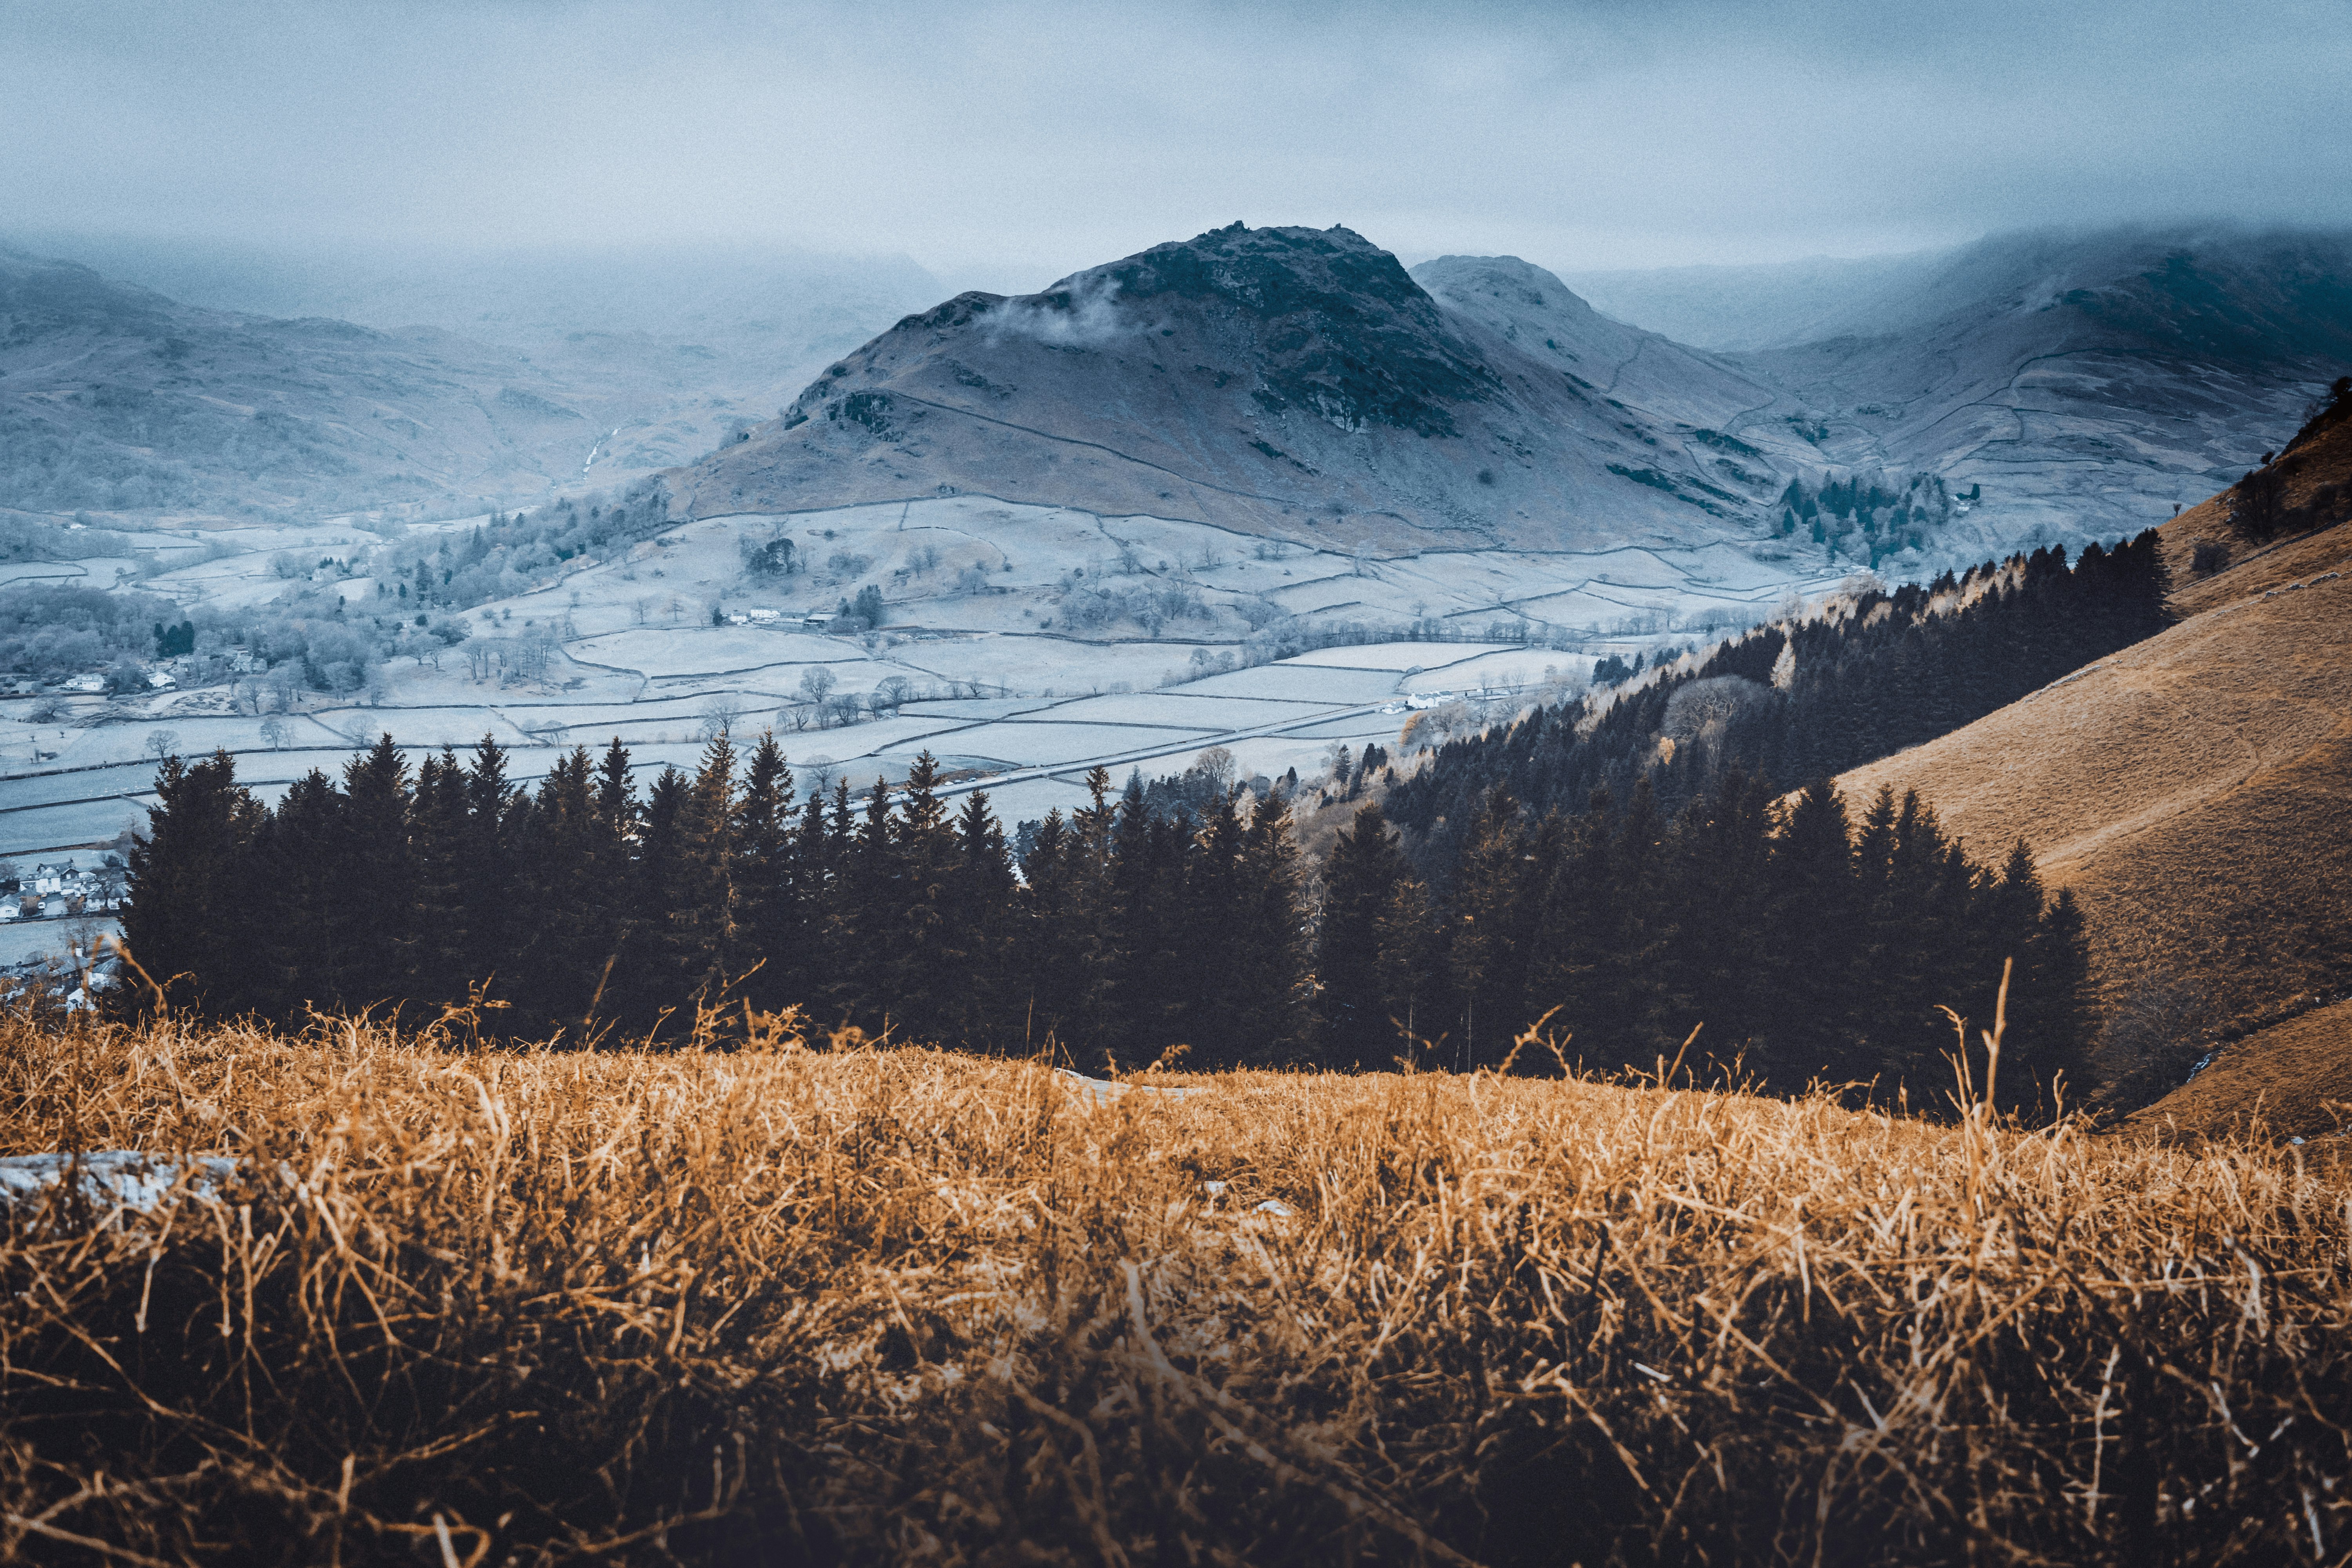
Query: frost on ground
{"points": [[1027, 642], [112, 1178]]}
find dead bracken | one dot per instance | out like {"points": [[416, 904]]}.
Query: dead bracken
{"points": [[909, 1305]]}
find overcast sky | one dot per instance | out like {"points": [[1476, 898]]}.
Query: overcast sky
{"points": [[1010, 143]]}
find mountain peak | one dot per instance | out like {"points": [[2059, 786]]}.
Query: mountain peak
{"points": [[1268, 271], [1270, 380], [1325, 320]]}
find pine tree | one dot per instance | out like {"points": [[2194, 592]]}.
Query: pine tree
{"points": [[1491, 911], [301, 901], [1814, 936], [986, 1004], [1359, 879], [767, 940], [1413, 969], [1269, 980], [1216, 890], [572, 875], [189, 923], [1719, 882], [925, 961], [377, 908], [442, 955], [1150, 978], [699, 928], [492, 885], [1049, 928], [644, 993]]}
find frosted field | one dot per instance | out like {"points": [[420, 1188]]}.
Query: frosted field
{"points": [[1309, 683], [1035, 641], [1400, 657], [28, 942]]}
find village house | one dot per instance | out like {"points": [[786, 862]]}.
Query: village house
{"points": [[59, 888]]}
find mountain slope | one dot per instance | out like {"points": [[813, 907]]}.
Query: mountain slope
{"points": [[117, 398], [2195, 790], [1268, 380], [2086, 383]]}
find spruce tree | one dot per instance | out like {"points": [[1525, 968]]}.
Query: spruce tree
{"points": [[767, 940], [491, 887], [300, 900], [1269, 979], [925, 970], [1360, 881], [376, 911], [1813, 941], [571, 876], [189, 923], [644, 993], [699, 931], [986, 1005], [1492, 909], [442, 953]]}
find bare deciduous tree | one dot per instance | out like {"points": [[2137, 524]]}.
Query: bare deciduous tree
{"points": [[718, 715]]}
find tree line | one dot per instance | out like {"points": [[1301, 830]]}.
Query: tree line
{"points": [[1796, 941], [1126, 931], [1599, 882], [1810, 700], [583, 910]]}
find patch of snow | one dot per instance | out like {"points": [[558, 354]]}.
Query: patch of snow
{"points": [[124, 1178]]}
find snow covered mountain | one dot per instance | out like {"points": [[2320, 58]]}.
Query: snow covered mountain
{"points": [[2028, 389], [2083, 385], [1276, 381], [292, 390]]}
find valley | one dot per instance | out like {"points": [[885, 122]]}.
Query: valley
{"points": [[1265, 491], [991, 675]]}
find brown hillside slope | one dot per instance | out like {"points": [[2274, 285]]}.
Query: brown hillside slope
{"points": [[2196, 792], [2294, 1078]]}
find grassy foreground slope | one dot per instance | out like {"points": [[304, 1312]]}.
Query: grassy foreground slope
{"points": [[2196, 792], [790, 1307]]}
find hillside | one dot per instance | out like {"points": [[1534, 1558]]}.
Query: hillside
{"points": [[2049, 388], [1274, 380], [121, 399], [2194, 790], [2085, 382]]}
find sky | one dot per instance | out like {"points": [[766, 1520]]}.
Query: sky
{"points": [[1005, 145]]}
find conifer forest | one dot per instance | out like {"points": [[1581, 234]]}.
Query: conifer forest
{"points": [[1606, 884]]}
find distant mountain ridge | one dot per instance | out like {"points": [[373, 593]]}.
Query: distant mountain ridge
{"points": [[2054, 388], [1269, 380], [117, 398], [2087, 383]]}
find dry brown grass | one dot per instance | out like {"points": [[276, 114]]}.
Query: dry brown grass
{"points": [[911, 1306], [2290, 1079], [2194, 790]]}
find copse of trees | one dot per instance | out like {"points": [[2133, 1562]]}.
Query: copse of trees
{"points": [[586, 910], [1797, 944], [1604, 877], [1787, 704], [511, 553], [1160, 923]]}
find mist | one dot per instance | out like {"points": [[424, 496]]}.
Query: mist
{"points": [[1006, 145]]}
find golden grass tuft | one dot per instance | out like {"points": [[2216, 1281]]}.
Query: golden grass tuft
{"points": [[906, 1306]]}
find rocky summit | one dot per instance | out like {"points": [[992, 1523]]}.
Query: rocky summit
{"points": [[2029, 389], [1274, 380]]}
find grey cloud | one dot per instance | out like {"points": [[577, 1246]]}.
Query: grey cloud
{"points": [[1011, 143]]}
